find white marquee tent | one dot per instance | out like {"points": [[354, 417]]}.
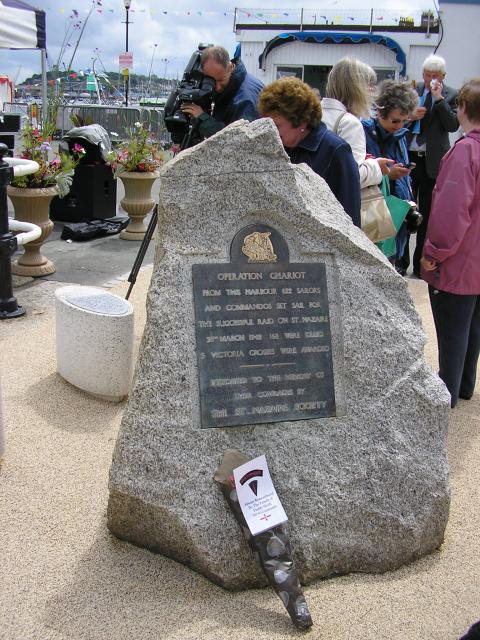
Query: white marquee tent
{"points": [[23, 27]]}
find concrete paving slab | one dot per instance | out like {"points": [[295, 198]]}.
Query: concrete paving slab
{"points": [[64, 577], [93, 262], [96, 261]]}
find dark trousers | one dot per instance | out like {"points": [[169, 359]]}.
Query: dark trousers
{"points": [[403, 261], [457, 322], [422, 186]]}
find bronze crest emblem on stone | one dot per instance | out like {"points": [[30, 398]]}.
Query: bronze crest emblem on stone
{"points": [[258, 247]]}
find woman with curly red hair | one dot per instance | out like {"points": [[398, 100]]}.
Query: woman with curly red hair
{"points": [[296, 111]]}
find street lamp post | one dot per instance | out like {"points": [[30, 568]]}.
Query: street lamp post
{"points": [[127, 4]]}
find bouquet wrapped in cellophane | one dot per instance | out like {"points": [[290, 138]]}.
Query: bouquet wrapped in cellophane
{"points": [[271, 548]]}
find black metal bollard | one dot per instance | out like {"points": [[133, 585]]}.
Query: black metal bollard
{"points": [[8, 245]]}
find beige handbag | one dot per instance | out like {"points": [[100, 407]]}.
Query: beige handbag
{"points": [[376, 221], [375, 218]]}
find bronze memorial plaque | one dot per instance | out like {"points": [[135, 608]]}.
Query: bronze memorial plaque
{"points": [[263, 335]]}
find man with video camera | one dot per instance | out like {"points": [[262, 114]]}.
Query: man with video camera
{"points": [[235, 96]]}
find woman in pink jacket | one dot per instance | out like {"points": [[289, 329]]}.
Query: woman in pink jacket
{"points": [[451, 253]]}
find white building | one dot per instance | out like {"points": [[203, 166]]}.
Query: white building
{"points": [[460, 40], [307, 43]]}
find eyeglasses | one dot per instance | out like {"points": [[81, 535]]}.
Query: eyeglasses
{"points": [[397, 120], [393, 121]]}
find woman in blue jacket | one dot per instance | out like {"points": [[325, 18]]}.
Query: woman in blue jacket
{"points": [[295, 109], [386, 138]]}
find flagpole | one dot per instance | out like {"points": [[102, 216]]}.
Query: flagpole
{"points": [[43, 54], [80, 37], [150, 72]]}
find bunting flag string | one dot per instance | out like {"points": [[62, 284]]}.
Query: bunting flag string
{"points": [[100, 9], [263, 16]]}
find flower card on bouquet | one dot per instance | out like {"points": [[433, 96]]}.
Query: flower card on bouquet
{"points": [[258, 499]]}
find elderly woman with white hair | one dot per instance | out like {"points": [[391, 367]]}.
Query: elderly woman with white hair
{"points": [[434, 119]]}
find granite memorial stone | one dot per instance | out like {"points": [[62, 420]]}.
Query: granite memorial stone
{"points": [[276, 327]]}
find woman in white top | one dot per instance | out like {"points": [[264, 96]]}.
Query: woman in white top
{"points": [[348, 98]]}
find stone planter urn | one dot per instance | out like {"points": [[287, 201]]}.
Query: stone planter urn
{"points": [[33, 205], [137, 201]]}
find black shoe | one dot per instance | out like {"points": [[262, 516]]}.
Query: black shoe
{"points": [[473, 633]]}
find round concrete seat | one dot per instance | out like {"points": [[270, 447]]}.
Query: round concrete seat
{"points": [[94, 338]]}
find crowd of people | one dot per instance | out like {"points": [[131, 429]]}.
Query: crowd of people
{"points": [[356, 134]]}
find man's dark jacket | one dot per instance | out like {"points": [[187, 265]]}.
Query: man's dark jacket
{"points": [[331, 157], [438, 121], [236, 102]]}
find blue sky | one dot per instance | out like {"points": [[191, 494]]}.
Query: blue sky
{"points": [[162, 34]]}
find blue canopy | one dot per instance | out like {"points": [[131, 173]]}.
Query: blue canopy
{"points": [[329, 37]]}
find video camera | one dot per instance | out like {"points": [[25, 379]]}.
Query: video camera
{"points": [[194, 87]]}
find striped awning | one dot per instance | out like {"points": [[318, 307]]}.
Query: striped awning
{"points": [[329, 37]]}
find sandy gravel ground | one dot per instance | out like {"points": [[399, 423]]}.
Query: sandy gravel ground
{"points": [[62, 576]]}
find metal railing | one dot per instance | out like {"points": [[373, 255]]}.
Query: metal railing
{"points": [[368, 16], [18, 108], [118, 121]]}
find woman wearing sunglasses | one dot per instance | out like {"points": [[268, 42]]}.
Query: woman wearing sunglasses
{"points": [[386, 138]]}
